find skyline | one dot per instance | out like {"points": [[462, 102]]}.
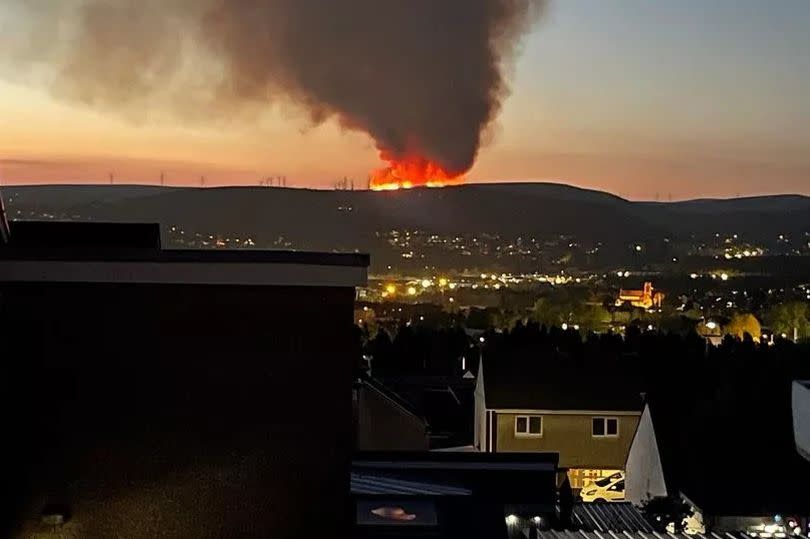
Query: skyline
{"points": [[642, 100]]}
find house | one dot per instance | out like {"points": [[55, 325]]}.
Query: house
{"points": [[731, 456], [384, 421], [646, 298], [175, 393], [528, 405], [801, 417]]}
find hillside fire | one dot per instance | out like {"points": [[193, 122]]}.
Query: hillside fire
{"points": [[412, 172]]}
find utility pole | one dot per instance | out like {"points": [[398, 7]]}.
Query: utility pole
{"points": [[162, 179], [112, 178]]}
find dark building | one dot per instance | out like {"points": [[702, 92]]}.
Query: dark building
{"points": [[153, 392], [437, 494]]}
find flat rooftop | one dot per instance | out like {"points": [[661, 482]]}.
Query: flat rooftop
{"points": [[131, 252]]}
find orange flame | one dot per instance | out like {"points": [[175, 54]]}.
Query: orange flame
{"points": [[412, 172]]}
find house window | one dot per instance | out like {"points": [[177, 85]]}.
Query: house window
{"points": [[529, 425], [605, 427]]}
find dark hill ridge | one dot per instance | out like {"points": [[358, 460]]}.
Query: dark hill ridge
{"points": [[349, 219]]}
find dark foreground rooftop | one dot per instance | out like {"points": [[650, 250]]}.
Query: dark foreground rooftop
{"points": [[127, 252]]}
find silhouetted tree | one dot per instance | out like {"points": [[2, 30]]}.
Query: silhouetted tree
{"points": [[661, 512]]}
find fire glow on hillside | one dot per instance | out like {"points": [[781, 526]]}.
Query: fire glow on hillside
{"points": [[412, 172]]}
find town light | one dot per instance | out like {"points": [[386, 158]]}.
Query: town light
{"points": [[391, 289], [411, 291], [442, 282], [426, 283], [482, 340], [511, 520], [724, 276], [711, 324]]}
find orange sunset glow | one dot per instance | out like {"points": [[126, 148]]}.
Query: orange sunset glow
{"points": [[652, 115]]}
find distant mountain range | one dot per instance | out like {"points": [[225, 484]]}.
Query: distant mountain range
{"points": [[350, 219]]}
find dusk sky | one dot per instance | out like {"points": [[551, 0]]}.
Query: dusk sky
{"points": [[643, 98]]}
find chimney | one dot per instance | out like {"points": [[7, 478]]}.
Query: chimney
{"points": [[5, 231]]}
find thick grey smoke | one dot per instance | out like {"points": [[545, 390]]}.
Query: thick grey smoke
{"points": [[422, 77]]}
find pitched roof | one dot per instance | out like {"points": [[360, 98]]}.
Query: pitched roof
{"points": [[607, 517], [392, 396], [568, 534], [559, 384]]}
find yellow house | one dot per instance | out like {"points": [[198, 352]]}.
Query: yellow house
{"points": [[545, 406]]}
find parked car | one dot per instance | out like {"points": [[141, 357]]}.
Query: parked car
{"points": [[607, 489]]}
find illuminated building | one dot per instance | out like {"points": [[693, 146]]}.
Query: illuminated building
{"points": [[647, 298]]}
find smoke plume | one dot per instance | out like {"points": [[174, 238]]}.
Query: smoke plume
{"points": [[424, 78]]}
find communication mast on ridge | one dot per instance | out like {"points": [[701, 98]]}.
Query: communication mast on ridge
{"points": [[112, 178], [274, 181], [344, 185], [162, 179]]}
